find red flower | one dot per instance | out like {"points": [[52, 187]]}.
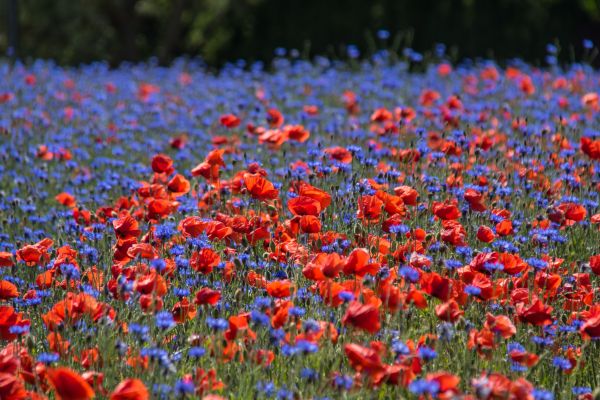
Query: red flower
{"points": [[279, 288], [161, 163], [595, 264], [229, 120], [536, 314], [304, 205], [68, 385], [449, 311], [204, 260], [259, 187], [446, 210], [207, 296], [130, 389], [6, 259], [362, 316], [364, 359], [485, 234], [369, 208]]}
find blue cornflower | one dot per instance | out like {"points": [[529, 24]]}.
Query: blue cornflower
{"points": [[217, 324], [164, 320], [427, 353], [424, 386], [343, 382], [562, 363], [48, 358]]}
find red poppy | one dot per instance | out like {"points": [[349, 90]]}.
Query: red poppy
{"points": [[364, 359], [8, 290], [279, 288], [66, 199], [307, 190], [259, 187], [310, 224], [504, 228], [68, 385], [126, 226], [304, 205], [475, 200], [207, 296], [436, 285], [590, 147], [536, 313], [407, 194], [229, 120], [183, 311], [161, 163], [178, 185], [449, 311], [446, 210], [500, 324], [274, 117], [9, 318], [297, 133], [6, 259], [362, 316], [595, 264], [369, 208], [485, 234], [340, 154], [574, 212], [204, 260], [130, 389]]}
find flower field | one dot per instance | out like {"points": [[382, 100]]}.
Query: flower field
{"points": [[316, 230]]}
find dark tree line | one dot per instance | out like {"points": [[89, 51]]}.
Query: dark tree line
{"points": [[72, 32]]}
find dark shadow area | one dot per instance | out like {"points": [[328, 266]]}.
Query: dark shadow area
{"points": [[72, 32]]}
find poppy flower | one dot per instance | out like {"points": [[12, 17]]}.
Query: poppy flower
{"points": [[66, 199], [340, 154], [370, 208], [362, 316], [6, 259], [595, 264], [310, 224], [500, 324], [485, 234], [504, 228], [274, 117], [304, 205], [204, 260], [126, 226], [296, 133], [536, 313], [307, 190], [279, 288], [68, 385], [229, 120], [130, 389], [524, 358], [259, 187], [449, 311], [207, 296], [446, 210], [178, 186], [407, 194], [364, 359], [572, 211], [162, 163], [8, 290], [590, 147]]}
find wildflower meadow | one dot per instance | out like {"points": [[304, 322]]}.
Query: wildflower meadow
{"points": [[388, 228]]}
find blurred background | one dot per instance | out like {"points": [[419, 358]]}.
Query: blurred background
{"points": [[73, 32]]}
